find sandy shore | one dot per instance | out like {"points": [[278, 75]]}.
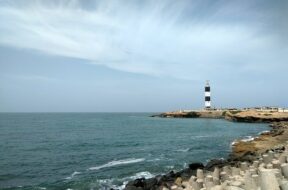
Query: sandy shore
{"points": [[259, 164]]}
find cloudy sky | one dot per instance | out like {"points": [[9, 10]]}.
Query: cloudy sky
{"points": [[150, 55]]}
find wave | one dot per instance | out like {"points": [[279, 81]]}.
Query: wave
{"points": [[72, 175], [263, 132], [183, 150], [200, 136], [110, 183], [144, 174], [247, 139], [118, 162]]}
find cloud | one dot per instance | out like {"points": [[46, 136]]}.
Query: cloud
{"points": [[181, 39]]}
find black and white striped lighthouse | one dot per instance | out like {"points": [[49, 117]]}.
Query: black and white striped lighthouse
{"points": [[207, 95]]}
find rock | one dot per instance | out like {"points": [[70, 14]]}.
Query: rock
{"points": [[186, 184], [174, 187], [142, 184], [216, 173], [284, 185], [269, 166], [233, 188], [276, 164], [223, 176], [200, 182], [178, 181], [150, 183], [192, 179], [235, 171], [236, 183], [255, 163], [215, 163], [216, 181], [244, 166], [282, 159], [284, 169], [267, 159], [196, 186], [249, 182], [255, 177], [227, 169], [217, 187], [186, 173], [268, 180], [195, 166], [139, 182], [200, 174]]}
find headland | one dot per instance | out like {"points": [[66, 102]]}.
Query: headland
{"points": [[237, 115], [260, 163]]}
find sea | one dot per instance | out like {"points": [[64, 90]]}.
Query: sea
{"points": [[79, 151]]}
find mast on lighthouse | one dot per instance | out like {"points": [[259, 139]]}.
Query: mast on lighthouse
{"points": [[207, 96]]}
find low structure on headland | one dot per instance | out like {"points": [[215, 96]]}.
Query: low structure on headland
{"points": [[267, 109]]}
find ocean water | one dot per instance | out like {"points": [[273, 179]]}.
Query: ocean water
{"points": [[104, 150]]}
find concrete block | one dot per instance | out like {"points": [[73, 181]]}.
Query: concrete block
{"points": [[268, 180], [200, 174], [284, 169]]}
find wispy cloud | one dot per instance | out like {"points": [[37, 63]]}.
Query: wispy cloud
{"points": [[182, 39]]}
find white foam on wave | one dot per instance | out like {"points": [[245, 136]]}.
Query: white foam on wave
{"points": [[183, 150], [118, 162], [169, 167], [154, 160], [263, 132], [247, 139], [72, 175], [200, 136], [144, 174], [234, 142], [108, 183]]}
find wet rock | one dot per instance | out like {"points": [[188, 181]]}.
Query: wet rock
{"points": [[215, 163], [195, 166]]}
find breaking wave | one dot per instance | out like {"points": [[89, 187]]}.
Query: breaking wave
{"points": [[117, 162]]}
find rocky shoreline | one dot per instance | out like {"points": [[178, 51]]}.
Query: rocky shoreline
{"points": [[249, 166], [250, 116]]}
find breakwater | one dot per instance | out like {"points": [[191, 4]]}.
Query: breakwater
{"points": [[257, 164]]}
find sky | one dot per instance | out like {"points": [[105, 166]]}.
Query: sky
{"points": [[141, 56]]}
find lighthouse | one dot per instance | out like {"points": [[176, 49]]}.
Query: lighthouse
{"points": [[207, 96]]}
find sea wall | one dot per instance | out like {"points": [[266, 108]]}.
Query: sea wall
{"points": [[258, 164]]}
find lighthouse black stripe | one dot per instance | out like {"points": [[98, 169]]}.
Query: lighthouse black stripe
{"points": [[207, 98], [207, 88]]}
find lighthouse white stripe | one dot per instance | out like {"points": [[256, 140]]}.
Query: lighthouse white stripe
{"points": [[207, 94], [207, 103]]}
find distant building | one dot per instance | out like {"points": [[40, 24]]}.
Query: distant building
{"points": [[207, 96]]}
